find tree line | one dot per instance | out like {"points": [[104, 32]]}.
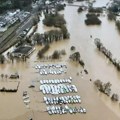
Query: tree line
{"points": [[14, 4], [107, 53], [51, 36]]}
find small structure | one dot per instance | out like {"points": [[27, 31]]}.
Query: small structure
{"points": [[9, 86], [25, 50], [14, 76]]}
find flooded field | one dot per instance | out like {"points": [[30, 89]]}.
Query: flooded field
{"points": [[98, 105]]}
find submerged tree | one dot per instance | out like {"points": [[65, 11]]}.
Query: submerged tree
{"points": [[75, 56], [2, 76], [115, 97], [2, 59], [111, 16], [103, 87], [118, 25], [56, 55], [72, 48], [35, 20]]}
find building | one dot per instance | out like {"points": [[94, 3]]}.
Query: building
{"points": [[25, 50]]}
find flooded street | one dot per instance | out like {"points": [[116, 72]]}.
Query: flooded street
{"points": [[97, 65]]}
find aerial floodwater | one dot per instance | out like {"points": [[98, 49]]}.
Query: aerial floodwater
{"points": [[101, 3], [98, 106]]}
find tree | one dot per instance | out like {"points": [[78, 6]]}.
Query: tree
{"points": [[2, 59], [70, 1], [35, 20], [80, 9], [65, 32], [75, 56], [111, 16], [56, 20], [60, 7], [6, 76], [11, 57], [114, 7], [20, 3], [98, 43], [118, 25], [72, 48], [115, 97], [37, 37], [105, 88], [98, 84], [56, 55], [63, 52], [42, 51], [14, 4], [2, 76], [82, 63], [92, 19], [95, 10]]}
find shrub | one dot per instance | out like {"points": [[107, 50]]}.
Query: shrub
{"points": [[56, 55]]}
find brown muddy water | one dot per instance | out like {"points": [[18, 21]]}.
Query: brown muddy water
{"points": [[98, 106]]}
